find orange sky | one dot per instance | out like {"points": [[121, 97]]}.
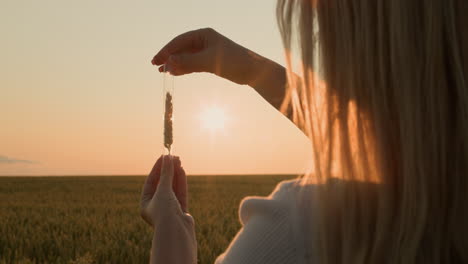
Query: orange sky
{"points": [[80, 97]]}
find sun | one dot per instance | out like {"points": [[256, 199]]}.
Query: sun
{"points": [[213, 118]]}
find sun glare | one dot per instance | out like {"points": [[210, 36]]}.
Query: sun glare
{"points": [[213, 118]]}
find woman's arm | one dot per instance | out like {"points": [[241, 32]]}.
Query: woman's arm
{"points": [[174, 239], [269, 80]]}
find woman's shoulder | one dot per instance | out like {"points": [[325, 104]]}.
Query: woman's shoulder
{"points": [[289, 188], [272, 229], [282, 200]]}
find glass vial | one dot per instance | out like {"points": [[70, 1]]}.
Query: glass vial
{"points": [[168, 117]]}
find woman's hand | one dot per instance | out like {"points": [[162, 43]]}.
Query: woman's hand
{"points": [[205, 50], [164, 207], [167, 180]]}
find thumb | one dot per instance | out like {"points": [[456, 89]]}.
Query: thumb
{"points": [[167, 174], [185, 63]]}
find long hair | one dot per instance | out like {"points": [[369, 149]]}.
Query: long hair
{"points": [[382, 94]]}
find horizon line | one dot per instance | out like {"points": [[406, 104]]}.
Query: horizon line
{"points": [[142, 175]]}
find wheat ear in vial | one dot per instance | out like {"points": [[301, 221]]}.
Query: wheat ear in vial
{"points": [[168, 98]]}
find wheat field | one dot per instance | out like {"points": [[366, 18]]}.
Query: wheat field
{"points": [[96, 219]]}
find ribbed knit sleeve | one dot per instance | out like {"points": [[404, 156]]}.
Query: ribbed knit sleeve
{"points": [[268, 233]]}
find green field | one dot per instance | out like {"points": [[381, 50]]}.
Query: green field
{"points": [[96, 219]]}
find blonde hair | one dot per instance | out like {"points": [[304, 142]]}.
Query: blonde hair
{"points": [[383, 97]]}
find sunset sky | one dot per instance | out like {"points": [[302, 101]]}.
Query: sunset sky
{"points": [[79, 95]]}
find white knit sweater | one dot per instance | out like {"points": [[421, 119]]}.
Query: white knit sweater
{"points": [[273, 229]]}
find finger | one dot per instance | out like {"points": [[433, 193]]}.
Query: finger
{"points": [[185, 63], [180, 184], [167, 173], [151, 181], [175, 179], [189, 41], [182, 189]]}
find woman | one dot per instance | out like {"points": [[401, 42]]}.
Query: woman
{"points": [[383, 96]]}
